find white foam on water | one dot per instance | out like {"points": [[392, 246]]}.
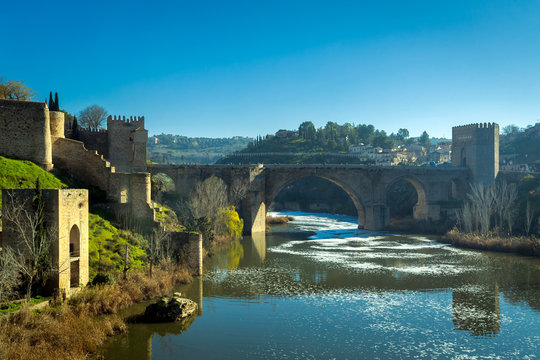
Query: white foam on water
{"points": [[336, 240]]}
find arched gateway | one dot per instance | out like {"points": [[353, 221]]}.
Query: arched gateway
{"points": [[366, 185]]}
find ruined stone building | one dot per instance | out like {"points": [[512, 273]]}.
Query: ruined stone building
{"points": [[66, 222]]}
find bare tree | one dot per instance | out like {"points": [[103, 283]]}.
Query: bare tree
{"points": [[15, 90], [529, 216], [9, 276], [238, 192], [91, 117], [157, 248], [208, 197], [31, 256], [488, 207]]}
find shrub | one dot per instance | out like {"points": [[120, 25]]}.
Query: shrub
{"points": [[228, 223]]}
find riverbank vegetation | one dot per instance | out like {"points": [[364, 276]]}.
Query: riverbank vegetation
{"points": [[500, 217], [210, 209], [79, 327], [278, 220]]}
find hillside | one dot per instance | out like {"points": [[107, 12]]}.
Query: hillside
{"points": [[20, 174], [328, 144], [520, 146], [176, 149]]}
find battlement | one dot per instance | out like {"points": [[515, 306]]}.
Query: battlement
{"points": [[132, 120], [476, 126]]}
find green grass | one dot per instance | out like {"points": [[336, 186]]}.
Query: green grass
{"points": [[107, 246], [9, 307], [21, 174]]}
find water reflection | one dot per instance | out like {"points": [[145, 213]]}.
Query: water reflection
{"points": [[476, 309], [329, 290]]}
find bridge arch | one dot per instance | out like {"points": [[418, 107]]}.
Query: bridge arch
{"points": [[420, 209], [277, 186]]}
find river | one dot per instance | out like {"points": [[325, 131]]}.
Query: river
{"points": [[318, 288]]}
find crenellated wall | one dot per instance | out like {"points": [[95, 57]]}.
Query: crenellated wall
{"points": [[25, 132], [90, 168], [127, 142]]}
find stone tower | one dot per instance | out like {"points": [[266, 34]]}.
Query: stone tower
{"points": [[66, 220], [476, 146], [127, 143]]}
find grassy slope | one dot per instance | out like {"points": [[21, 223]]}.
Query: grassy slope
{"points": [[19, 174], [107, 246]]}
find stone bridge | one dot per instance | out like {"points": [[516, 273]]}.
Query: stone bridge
{"points": [[438, 188]]}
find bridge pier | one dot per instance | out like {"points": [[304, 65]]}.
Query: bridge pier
{"points": [[427, 212], [376, 217]]}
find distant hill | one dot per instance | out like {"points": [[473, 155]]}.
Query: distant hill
{"points": [[328, 144], [521, 146], [177, 149]]}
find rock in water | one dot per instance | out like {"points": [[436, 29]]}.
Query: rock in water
{"points": [[169, 309]]}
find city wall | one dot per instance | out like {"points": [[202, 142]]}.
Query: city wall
{"points": [[25, 132]]}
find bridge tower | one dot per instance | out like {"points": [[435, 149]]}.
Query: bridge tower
{"points": [[476, 146]]}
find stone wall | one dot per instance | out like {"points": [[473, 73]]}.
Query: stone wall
{"points": [[95, 140], [25, 132], [92, 169], [190, 244]]}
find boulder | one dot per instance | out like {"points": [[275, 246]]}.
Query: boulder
{"points": [[169, 309]]}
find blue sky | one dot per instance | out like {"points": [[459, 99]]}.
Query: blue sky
{"points": [[226, 68]]}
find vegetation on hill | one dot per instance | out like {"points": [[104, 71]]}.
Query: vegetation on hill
{"points": [[176, 149], [322, 145], [107, 247], [520, 146], [22, 174]]}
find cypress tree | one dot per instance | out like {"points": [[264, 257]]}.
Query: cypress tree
{"points": [[75, 131], [51, 103], [56, 103]]}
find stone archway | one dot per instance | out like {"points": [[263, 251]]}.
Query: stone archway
{"points": [[276, 187], [421, 208]]}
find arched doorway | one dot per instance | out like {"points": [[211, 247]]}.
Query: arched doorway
{"points": [[74, 255]]}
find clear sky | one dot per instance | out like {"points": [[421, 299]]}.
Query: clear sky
{"points": [[226, 68]]}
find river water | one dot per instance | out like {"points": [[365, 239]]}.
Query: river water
{"points": [[318, 288]]}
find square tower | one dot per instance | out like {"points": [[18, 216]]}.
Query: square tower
{"points": [[476, 146], [65, 216]]}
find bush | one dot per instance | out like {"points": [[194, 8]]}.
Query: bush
{"points": [[103, 279], [228, 223]]}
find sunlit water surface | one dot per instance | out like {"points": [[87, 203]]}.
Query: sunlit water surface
{"points": [[318, 288]]}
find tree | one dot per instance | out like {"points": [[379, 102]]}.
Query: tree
{"points": [[9, 276], [157, 246], [31, 257], [15, 90], [424, 140], [91, 117], [402, 134], [510, 130], [307, 131]]}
